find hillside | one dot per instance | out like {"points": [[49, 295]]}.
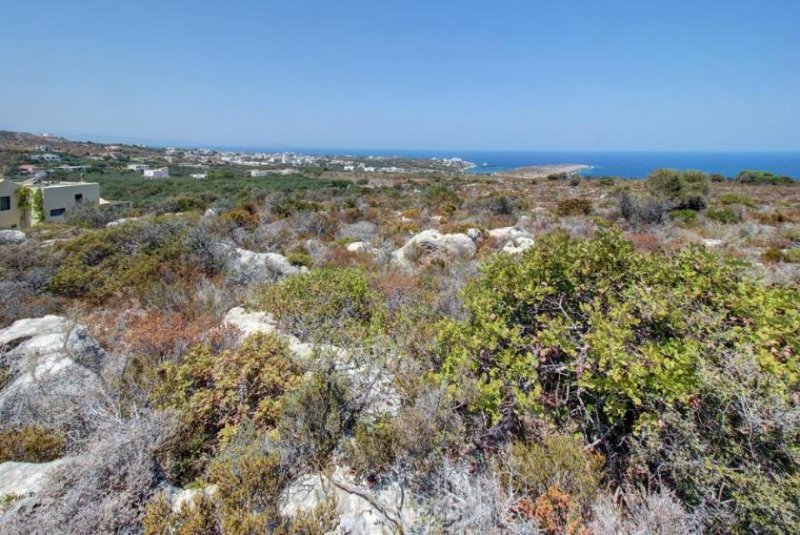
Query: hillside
{"points": [[354, 352]]}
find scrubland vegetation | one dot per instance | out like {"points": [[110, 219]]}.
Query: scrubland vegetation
{"points": [[633, 369]]}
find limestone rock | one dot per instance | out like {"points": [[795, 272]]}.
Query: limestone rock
{"points": [[11, 236], [431, 241], [54, 367], [362, 247], [357, 515], [509, 233], [23, 479], [518, 245], [254, 265]]}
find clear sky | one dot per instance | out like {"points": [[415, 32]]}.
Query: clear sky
{"points": [[434, 74]]}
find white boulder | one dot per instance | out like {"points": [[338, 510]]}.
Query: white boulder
{"points": [[11, 236], [24, 479], [362, 247], [433, 242], [54, 367], [263, 265], [509, 233], [387, 511], [518, 245]]}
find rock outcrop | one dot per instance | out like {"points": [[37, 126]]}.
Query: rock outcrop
{"points": [[361, 511], [257, 266], [54, 367], [12, 236], [362, 247], [428, 242], [516, 240], [24, 479]]}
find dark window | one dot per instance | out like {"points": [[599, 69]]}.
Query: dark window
{"points": [[57, 212], [78, 198], [5, 203]]}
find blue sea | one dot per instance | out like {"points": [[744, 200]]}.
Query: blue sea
{"points": [[615, 163]]}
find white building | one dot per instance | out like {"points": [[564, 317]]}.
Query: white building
{"points": [[259, 172], [161, 172], [46, 157], [198, 175], [138, 167]]}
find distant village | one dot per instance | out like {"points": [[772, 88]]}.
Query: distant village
{"points": [[43, 177]]}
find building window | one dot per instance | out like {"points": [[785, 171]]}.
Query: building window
{"points": [[57, 212], [5, 203], [79, 198]]}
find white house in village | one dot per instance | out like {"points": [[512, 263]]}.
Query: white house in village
{"points": [[161, 172], [46, 157], [57, 200], [138, 167]]}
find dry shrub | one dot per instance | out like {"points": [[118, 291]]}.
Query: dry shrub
{"points": [[572, 207], [644, 241], [103, 490], [31, 444], [558, 462], [164, 335]]}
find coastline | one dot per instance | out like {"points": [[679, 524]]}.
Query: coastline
{"points": [[543, 171]]}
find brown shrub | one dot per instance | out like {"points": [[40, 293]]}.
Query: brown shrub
{"points": [[574, 206], [30, 444]]}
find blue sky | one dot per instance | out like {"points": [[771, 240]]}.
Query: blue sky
{"points": [[525, 75]]}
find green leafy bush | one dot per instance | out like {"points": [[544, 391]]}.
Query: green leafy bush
{"points": [[323, 302], [593, 328], [681, 189]]}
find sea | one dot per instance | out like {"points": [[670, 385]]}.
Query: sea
{"points": [[627, 164]]}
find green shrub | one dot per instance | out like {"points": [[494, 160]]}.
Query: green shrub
{"points": [[300, 258], [733, 451], [559, 460], [571, 207], [125, 260], [792, 256], [726, 216], [323, 302], [761, 178], [684, 217], [248, 478], [216, 393], [622, 331], [681, 189], [733, 198], [443, 199], [30, 444]]}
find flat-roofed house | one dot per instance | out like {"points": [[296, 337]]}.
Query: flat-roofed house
{"points": [[63, 197], [11, 216]]}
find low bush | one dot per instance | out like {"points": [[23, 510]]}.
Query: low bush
{"points": [[640, 210], [31, 444], [214, 394], [679, 189], [762, 177], [322, 302], [123, 260], [735, 198], [626, 331], [573, 207], [685, 218], [726, 215]]}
